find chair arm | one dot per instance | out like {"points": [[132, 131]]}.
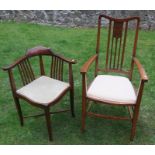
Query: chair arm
{"points": [[13, 64], [11, 77], [86, 66], [141, 70], [6, 68]]}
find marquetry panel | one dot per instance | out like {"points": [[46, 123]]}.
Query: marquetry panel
{"points": [[116, 44]]}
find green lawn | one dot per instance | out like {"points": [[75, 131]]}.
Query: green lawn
{"points": [[77, 43]]}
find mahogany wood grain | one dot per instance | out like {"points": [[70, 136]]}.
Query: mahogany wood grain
{"points": [[118, 31], [27, 75], [141, 70], [86, 66]]}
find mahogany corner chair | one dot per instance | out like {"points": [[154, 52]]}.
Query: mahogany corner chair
{"points": [[43, 91], [114, 90]]}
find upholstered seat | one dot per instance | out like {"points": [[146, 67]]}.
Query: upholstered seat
{"points": [[43, 90], [112, 89]]}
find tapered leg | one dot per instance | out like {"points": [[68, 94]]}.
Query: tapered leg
{"points": [[72, 102], [48, 123], [84, 100], [83, 114], [18, 107], [134, 122]]}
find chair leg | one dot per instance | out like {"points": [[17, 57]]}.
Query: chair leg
{"points": [[48, 123], [18, 107], [72, 102], [134, 122], [83, 114]]}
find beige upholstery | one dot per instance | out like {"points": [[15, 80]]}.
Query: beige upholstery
{"points": [[43, 90], [112, 89]]}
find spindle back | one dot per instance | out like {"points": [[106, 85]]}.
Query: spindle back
{"points": [[116, 44]]}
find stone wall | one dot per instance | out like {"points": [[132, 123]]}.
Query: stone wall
{"points": [[76, 18]]}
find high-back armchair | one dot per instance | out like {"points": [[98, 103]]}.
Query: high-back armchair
{"points": [[42, 91], [115, 53]]}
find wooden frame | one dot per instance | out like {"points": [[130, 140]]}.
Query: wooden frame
{"points": [[27, 76], [116, 27]]}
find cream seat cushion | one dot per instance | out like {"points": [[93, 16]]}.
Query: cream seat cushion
{"points": [[112, 89], [43, 90]]}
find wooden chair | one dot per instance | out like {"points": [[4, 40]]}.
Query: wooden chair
{"points": [[43, 91], [111, 89]]}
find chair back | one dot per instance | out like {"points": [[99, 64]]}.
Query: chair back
{"points": [[120, 45], [22, 72]]}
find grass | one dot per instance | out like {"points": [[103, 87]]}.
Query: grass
{"points": [[77, 43]]}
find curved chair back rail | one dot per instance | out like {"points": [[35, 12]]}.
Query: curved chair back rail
{"points": [[25, 69]]}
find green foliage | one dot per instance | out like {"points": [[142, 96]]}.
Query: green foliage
{"points": [[77, 43]]}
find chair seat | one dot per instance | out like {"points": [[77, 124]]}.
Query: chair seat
{"points": [[43, 90], [115, 89]]}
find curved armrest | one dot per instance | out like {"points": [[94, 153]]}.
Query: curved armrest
{"points": [[86, 66], [6, 68], [14, 64], [141, 70]]}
